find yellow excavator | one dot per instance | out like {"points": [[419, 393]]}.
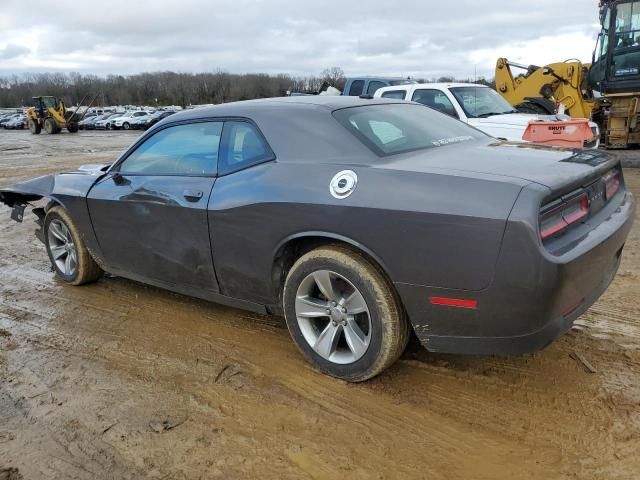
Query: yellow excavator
{"points": [[606, 90]]}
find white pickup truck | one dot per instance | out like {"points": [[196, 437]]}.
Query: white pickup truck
{"points": [[477, 105]]}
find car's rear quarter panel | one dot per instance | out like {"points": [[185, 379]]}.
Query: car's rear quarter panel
{"points": [[423, 228]]}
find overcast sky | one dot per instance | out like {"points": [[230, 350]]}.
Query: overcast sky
{"points": [[422, 38]]}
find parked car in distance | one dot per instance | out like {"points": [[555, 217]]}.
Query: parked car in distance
{"points": [[10, 120], [483, 247], [368, 86], [124, 121], [104, 122], [477, 105], [16, 122], [90, 124], [138, 122], [87, 117], [147, 122]]}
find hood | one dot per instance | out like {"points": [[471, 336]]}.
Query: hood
{"points": [[92, 169], [554, 167], [512, 119]]}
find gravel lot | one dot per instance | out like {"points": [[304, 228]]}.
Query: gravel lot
{"points": [[119, 380]]}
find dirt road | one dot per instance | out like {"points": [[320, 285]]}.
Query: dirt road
{"points": [[120, 381]]}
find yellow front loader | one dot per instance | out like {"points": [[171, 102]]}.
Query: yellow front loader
{"points": [[545, 89], [606, 91], [52, 115]]}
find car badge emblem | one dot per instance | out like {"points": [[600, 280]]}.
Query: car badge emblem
{"points": [[343, 184]]}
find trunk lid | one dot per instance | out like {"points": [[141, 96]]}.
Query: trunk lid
{"points": [[554, 167]]}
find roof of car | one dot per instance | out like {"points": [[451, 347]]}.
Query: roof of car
{"points": [[432, 85], [243, 107]]}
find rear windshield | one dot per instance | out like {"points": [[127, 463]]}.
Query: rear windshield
{"points": [[398, 128]]}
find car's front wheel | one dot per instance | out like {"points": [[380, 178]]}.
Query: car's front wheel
{"points": [[69, 256], [343, 314]]}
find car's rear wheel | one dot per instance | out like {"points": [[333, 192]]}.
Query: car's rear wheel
{"points": [[343, 314], [69, 256]]}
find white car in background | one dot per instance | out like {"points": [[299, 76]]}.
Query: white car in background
{"points": [[125, 120], [477, 105]]}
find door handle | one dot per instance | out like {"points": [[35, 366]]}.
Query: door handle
{"points": [[192, 195]]}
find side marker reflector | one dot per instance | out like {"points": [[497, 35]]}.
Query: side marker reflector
{"points": [[454, 302], [572, 309]]}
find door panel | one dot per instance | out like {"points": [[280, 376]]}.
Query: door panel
{"points": [[156, 227]]}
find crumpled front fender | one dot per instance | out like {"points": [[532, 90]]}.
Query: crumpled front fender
{"points": [[28, 191]]}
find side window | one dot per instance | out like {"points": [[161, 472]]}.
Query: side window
{"points": [[396, 94], [190, 149], [356, 88], [373, 86], [242, 146], [435, 99]]}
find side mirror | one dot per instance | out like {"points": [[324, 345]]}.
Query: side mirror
{"points": [[118, 179]]}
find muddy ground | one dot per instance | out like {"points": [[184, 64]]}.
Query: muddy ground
{"points": [[122, 381]]}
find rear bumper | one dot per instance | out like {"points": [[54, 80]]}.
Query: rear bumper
{"points": [[535, 296]]}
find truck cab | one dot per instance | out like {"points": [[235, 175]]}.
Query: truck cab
{"points": [[356, 86], [476, 105]]}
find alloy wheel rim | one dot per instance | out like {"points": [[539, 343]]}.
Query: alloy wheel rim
{"points": [[63, 248], [333, 317]]}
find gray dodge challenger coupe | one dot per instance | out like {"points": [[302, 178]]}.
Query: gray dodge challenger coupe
{"points": [[356, 219]]}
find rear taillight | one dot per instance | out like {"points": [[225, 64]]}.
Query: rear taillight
{"points": [[612, 182], [557, 216]]}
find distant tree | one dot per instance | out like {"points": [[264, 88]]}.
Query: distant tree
{"points": [[334, 76], [164, 88]]}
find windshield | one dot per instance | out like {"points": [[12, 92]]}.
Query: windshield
{"points": [[478, 102], [397, 128], [626, 44], [402, 82]]}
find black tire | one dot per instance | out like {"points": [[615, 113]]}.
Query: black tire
{"points": [[51, 126], [126, 126], [34, 126], [73, 127], [389, 328], [86, 269]]}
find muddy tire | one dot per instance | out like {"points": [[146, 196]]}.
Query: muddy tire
{"points": [[67, 252], [343, 314], [34, 127], [51, 126]]}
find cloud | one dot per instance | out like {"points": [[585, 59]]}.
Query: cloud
{"points": [[13, 51], [418, 38]]}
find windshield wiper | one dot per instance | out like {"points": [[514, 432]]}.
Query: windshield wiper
{"points": [[491, 114]]}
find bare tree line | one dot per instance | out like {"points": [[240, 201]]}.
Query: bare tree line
{"points": [[160, 88]]}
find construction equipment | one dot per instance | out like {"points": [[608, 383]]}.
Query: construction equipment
{"points": [[606, 91], [52, 115]]}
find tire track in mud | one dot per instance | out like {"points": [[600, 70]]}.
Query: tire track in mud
{"points": [[442, 441]]}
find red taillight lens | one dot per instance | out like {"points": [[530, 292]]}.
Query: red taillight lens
{"points": [[576, 209], [551, 221], [560, 214], [612, 182]]}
